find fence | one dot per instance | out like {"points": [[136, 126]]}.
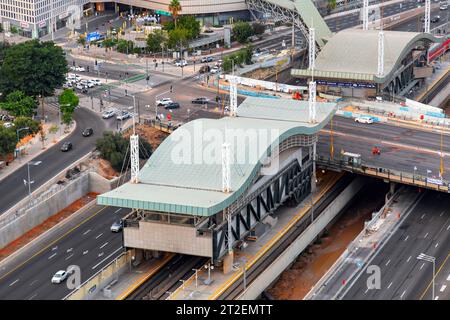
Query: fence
{"points": [[438, 184]]}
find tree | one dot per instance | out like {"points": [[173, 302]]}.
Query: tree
{"points": [[178, 37], [154, 41], [26, 122], [108, 43], [8, 141], [187, 22], [124, 46], [36, 68], [174, 9], [242, 31], [81, 40], [19, 104], [258, 28], [68, 101], [3, 47]]}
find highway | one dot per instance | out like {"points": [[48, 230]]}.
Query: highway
{"points": [[12, 188], [87, 242], [403, 276], [402, 148]]}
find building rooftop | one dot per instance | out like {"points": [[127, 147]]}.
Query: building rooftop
{"points": [[184, 175], [353, 54]]}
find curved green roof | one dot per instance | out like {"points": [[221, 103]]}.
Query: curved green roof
{"points": [[184, 175]]}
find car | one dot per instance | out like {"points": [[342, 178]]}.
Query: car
{"points": [[73, 77], [205, 69], [123, 115], [181, 63], [97, 82], [117, 226], [172, 105], [443, 7], [215, 70], [201, 100], [364, 119], [204, 59], [87, 132], [210, 59], [79, 69], [164, 101], [67, 146], [108, 114], [435, 19], [8, 124], [59, 276], [80, 86], [218, 63], [6, 117]]}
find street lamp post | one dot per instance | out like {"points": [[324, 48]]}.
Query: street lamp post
{"points": [[29, 182], [431, 259], [209, 267], [17, 132]]}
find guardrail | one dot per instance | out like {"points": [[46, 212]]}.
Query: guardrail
{"points": [[433, 183]]}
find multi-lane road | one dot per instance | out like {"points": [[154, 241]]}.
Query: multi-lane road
{"points": [[403, 276]]}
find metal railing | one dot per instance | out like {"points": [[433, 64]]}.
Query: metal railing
{"points": [[409, 178]]}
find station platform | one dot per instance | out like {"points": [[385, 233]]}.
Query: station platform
{"points": [[204, 287]]}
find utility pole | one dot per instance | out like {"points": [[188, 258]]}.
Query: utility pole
{"points": [[365, 15], [380, 53], [427, 15]]}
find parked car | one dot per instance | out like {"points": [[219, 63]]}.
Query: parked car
{"points": [[201, 100], [181, 63], [59, 276], [364, 119], [67, 146], [87, 132], [215, 70], [172, 105], [123, 115], [117, 226], [78, 69], [108, 114], [97, 82], [80, 86], [443, 6], [8, 124], [204, 59], [164, 101]]}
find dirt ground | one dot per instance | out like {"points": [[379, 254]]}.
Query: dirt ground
{"points": [[46, 225], [311, 265], [152, 135]]}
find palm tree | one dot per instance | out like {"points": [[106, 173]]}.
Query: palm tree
{"points": [[175, 8]]}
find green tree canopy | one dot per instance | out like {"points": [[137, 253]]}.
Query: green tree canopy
{"points": [[8, 141], [68, 101], [33, 67], [154, 41], [178, 37], [124, 46], [187, 22], [174, 9], [19, 104], [26, 122], [258, 28], [242, 31]]}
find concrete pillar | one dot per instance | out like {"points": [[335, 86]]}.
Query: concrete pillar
{"points": [[228, 262], [392, 186]]}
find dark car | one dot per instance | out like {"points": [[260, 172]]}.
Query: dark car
{"points": [[201, 100], [172, 105], [87, 132], [435, 19], [66, 146]]}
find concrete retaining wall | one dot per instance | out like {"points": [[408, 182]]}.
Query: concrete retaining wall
{"points": [[271, 273], [34, 216]]}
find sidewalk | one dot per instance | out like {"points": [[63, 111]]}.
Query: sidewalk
{"points": [[34, 146], [340, 276]]}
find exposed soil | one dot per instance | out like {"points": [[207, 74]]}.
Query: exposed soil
{"points": [[46, 225], [311, 265], [152, 135]]}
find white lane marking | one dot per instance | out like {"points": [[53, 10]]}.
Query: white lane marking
{"points": [[422, 266], [448, 278], [33, 296], [366, 290], [437, 243], [390, 284], [441, 214], [422, 216], [104, 245], [406, 238], [388, 262], [55, 248], [117, 210], [448, 227], [52, 256], [106, 258], [34, 281], [99, 236], [86, 232], [14, 282], [68, 257], [443, 288], [100, 254], [409, 258], [402, 294], [85, 252], [69, 250], [437, 298], [426, 235]]}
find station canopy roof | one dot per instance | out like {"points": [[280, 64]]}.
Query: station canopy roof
{"points": [[352, 54], [184, 174]]}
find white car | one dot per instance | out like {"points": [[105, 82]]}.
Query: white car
{"points": [[215, 70], [97, 82], [164, 102], [108, 114], [79, 69], [367, 120], [181, 63], [8, 124], [80, 86], [73, 77], [59, 277]]}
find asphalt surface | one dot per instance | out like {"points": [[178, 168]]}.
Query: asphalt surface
{"points": [[397, 144], [403, 276], [89, 244], [12, 188]]}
